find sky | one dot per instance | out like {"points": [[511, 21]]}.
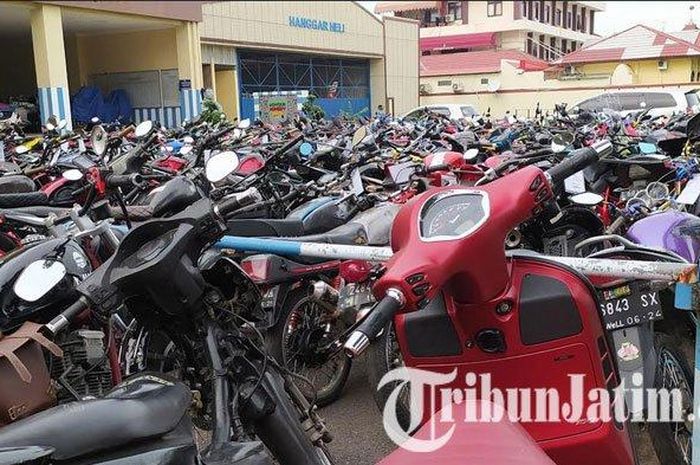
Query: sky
{"points": [[620, 15]]}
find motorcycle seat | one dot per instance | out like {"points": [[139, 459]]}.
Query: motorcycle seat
{"points": [[26, 199], [257, 227], [144, 407], [40, 210], [345, 234], [16, 184], [495, 442]]}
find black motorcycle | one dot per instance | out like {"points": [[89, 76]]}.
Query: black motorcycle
{"points": [[235, 392]]}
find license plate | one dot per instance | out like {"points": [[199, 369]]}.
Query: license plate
{"points": [[270, 297], [629, 305]]}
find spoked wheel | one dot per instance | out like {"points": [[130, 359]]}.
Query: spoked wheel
{"points": [[385, 355], [672, 440], [303, 330]]}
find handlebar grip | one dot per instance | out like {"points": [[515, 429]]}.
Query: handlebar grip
{"points": [[374, 322], [434, 168], [124, 180], [229, 205], [64, 318], [578, 160], [35, 170]]}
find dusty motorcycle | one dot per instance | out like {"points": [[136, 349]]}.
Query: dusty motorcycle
{"points": [[243, 398], [457, 301]]}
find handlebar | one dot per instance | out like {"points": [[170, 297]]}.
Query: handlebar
{"points": [[578, 160], [124, 180], [64, 318], [382, 313]]}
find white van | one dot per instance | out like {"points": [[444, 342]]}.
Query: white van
{"points": [[453, 111], [657, 101]]}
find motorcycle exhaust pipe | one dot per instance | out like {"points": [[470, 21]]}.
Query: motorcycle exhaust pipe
{"points": [[324, 294]]}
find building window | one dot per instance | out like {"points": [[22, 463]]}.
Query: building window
{"points": [[557, 18], [536, 10], [526, 6], [484, 80], [494, 8], [455, 9], [564, 43], [447, 83], [568, 19], [547, 14]]}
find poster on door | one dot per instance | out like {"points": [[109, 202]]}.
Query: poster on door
{"points": [[277, 108]]}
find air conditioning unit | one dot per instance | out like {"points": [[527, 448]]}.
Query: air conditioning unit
{"points": [[662, 64], [449, 18], [570, 70], [458, 87], [426, 89]]}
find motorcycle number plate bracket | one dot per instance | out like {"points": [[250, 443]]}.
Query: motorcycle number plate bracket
{"points": [[629, 305]]}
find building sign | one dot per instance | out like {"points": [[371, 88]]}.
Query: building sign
{"points": [[277, 108], [316, 24]]}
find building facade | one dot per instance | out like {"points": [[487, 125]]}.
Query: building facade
{"points": [[637, 58], [162, 54], [545, 29]]}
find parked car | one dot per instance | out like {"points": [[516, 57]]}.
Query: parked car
{"points": [[454, 111], [657, 101]]}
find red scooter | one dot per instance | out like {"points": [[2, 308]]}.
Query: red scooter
{"points": [[458, 301]]}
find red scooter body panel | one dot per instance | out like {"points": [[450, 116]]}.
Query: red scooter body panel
{"points": [[581, 350], [528, 322]]}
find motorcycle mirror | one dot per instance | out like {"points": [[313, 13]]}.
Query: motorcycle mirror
{"points": [[185, 149], [221, 165], [471, 154], [21, 149], [73, 175], [306, 149], [38, 278], [359, 136], [188, 140], [49, 126], [244, 124], [98, 138], [589, 199], [143, 129], [95, 120], [237, 133]]}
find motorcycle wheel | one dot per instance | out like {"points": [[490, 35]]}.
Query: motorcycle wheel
{"points": [[672, 441], [383, 356], [293, 339]]}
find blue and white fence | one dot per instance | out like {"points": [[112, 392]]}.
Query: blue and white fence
{"points": [[169, 117], [190, 103], [55, 101]]}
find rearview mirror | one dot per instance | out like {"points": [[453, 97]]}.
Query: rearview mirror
{"points": [[21, 149], [38, 278], [73, 175], [98, 138], [244, 124], [221, 165], [471, 154], [359, 136], [306, 149], [143, 129], [589, 199]]}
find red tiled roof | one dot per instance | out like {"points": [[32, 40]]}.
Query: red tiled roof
{"points": [[487, 61], [636, 43], [385, 7]]}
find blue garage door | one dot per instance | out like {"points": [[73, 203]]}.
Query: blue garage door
{"points": [[341, 84]]}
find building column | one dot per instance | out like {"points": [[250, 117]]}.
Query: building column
{"points": [[189, 65], [50, 63]]}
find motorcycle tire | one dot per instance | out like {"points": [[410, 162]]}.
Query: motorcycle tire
{"points": [[383, 356], [278, 340], [664, 434]]}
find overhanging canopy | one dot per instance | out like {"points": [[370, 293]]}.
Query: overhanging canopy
{"points": [[385, 7]]}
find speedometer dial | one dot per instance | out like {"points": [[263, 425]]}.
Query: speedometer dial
{"points": [[452, 215]]}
